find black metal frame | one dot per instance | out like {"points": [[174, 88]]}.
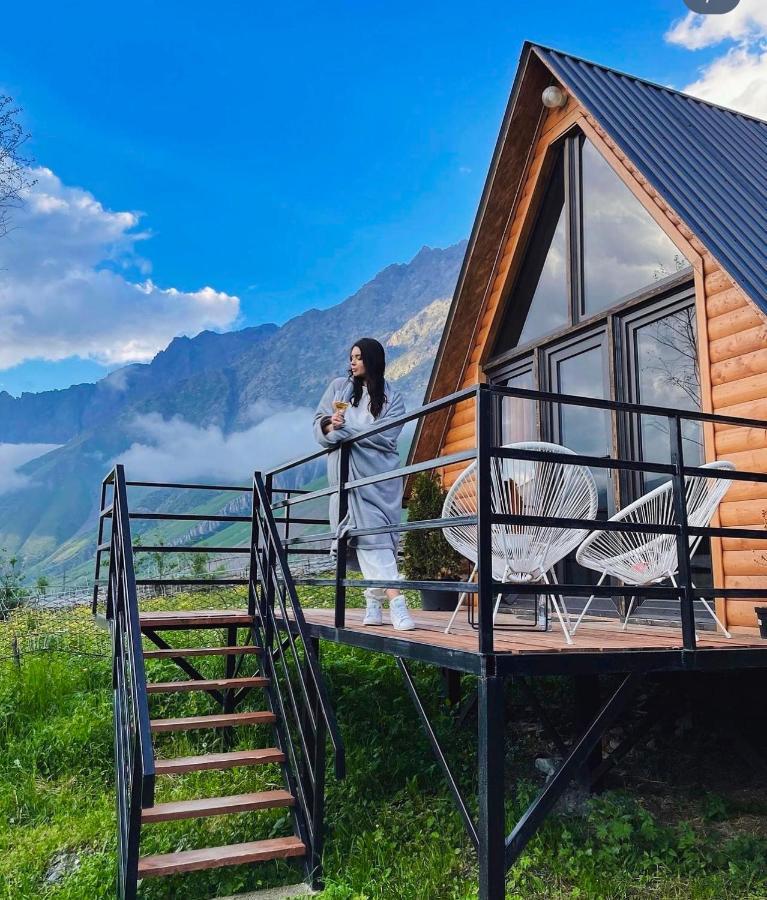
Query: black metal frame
{"points": [[487, 402]]}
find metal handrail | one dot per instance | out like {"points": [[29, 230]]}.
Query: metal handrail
{"points": [[487, 401], [134, 753], [282, 578]]}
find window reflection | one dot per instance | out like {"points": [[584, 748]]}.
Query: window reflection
{"points": [[624, 249], [667, 374], [518, 420], [585, 431], [548, 308]]}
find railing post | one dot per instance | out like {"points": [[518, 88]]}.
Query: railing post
{"points": [[343, 508], [484, 431], [270, 560], [254, 550], [318, 765], [490, 753], [99, 541], [684, 578]]}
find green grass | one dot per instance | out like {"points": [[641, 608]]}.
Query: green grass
{"points": [[392, 830]]}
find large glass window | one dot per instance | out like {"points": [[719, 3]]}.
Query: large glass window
{"points": [[593, 247], [624, 250]]}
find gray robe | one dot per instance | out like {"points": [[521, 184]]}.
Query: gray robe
{"points": [[374, 504]]}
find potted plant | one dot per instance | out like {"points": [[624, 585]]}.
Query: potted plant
{"points": [[427, 556]]}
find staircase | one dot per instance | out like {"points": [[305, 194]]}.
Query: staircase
{"points": [[267, 712]]}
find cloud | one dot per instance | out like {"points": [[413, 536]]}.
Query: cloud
{"points": [[12, 457], [66, 290], [746, 23], [738, 77], [177, 450]]}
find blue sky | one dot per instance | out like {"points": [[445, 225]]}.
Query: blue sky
{"points": [[279, 154]]}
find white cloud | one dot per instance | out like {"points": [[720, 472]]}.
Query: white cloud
{"points": [[65, 288], [177, 450], [12, 457], [738, 77], [746, 23]]}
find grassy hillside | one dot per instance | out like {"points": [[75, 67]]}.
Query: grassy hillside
{"points": [[393, 834]]}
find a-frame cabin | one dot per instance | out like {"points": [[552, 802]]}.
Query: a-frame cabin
{"points": [[619, 252], [618, 255]]}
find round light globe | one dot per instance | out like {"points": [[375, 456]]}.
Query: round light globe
{"points": [[553, 97]]}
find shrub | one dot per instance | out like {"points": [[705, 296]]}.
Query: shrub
{"points": [[427, 555]]}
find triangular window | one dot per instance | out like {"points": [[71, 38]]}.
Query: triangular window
{"points": [[593, 246]]}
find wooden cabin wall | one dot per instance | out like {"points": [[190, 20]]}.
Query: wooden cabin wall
{"points": [[733, 357], [737, 332]]}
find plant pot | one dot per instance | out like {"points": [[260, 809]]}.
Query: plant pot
{"points": [[438, 600]]}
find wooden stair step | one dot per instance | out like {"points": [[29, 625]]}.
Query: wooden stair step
{"points": [[245, 650], [219, 720], [180, 765], [200, 684], [216, 806], [194, 618], [217, 857]]}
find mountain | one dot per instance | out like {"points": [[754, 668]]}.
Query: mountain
{"points": [[208, 395]]}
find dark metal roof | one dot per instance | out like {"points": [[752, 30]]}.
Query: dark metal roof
{"points": [[709, 163]]}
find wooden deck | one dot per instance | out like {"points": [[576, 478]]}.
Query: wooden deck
{"points": [[527, 650]]}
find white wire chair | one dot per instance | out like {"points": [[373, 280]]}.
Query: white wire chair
{"points": [[524, 553], [642, 559]]}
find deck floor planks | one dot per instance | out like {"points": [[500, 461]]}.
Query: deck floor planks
{"points": [[591, 637]]}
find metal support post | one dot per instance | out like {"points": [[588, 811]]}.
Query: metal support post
{"points": [[490, 759], [682, 536], [343, 507], [484, 431]]}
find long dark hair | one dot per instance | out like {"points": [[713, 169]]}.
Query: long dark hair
{"points": [[374, 360]]}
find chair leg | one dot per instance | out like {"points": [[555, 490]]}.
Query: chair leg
{"points": [[555, 604], [495, 608], [561, 597], [713, 615], [588, 604], [461, 601], [628, 614]]}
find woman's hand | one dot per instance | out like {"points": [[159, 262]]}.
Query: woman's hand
{"points": [[337, 420]]}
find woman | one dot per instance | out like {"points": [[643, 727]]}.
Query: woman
{"points": [[348, 406]]}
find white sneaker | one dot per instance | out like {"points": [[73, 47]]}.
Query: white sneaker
{"points": [[400, 614], [373, 614]]}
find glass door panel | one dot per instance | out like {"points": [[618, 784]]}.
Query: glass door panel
{"points": [[663, 371], [581, 369]]}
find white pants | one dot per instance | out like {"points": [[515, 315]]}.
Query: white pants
{"points": [[377, 564]]}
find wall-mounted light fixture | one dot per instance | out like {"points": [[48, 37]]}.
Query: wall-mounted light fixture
{"points": [[553, 97]]}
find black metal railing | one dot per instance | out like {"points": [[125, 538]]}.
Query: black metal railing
{"points": [[134, 756], [487, 401], [298, 693]]}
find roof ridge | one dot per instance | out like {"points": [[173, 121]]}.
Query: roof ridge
{"points": [[647, 81]]}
